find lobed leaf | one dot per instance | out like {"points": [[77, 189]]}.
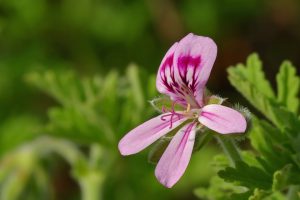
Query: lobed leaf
{"points": [[259, 93], [94, 109], [243, 174], [220, 190], [288, 86], [252, 72]]}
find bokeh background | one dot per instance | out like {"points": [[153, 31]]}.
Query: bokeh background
{"points": [[91, 37]]}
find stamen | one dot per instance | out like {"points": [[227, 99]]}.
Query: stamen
{"points": [[163, 109], [188, 108]]}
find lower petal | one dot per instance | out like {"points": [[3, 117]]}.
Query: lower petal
{"points": [[222, 119], [148, 132], [176, 157]]}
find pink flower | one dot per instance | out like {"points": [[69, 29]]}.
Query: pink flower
{"points": [[182, 76]]}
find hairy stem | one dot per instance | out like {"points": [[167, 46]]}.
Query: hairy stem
{"points": [[230, 149]]}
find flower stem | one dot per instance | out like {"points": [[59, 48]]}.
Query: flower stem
{"points": [[91, 185], [230, 149], [293, 193]]}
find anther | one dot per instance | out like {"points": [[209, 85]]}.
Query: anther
{"points": [[188, 108]]}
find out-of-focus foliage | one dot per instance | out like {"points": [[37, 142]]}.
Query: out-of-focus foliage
{"points": [[272, 172], [21, 128], [91, 115], [96, 109]]}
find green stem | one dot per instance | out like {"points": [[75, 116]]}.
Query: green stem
{"points": [[294, 192], [230, 149], [91, 186]]}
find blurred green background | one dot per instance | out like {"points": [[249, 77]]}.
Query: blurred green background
{"points": [[98, 37]]}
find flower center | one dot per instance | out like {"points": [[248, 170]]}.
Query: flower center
{"points": [[170, 116], [175, 116]]}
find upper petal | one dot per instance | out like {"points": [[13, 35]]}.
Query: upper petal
{"points": [[176, 157], [222, 119], [185, 69], [193, 60], [165, 80], [148, 132]]}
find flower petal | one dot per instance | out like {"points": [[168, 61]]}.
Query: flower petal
{"points": [[185, 69], [176, 157], [148, 132], [193, 60], [222, 119], [165, 80]]}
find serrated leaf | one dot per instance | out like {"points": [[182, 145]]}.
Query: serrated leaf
{"points": [[288, 86], [64, 86], [258, 92], [266, 195], [93, 109], [82, 126], [253, 73], [220, 161], [258, 194], [271, 144], [281, 178], [243, 174], [220, 190]]}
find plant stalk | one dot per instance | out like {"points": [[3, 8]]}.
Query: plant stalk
{"points": [[230, 149], [91, 186]]}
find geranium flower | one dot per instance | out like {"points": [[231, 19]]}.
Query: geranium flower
{"points": [[182, 76]]}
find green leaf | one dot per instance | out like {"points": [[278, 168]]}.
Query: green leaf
{"points": [[281, 178], [266, 195], [106, 93], [271, 144], [80, 125], [135, 88], [220, 162], [135, 83], [243, 175], [288, 86], [252, 72], [94, 109], [258, 194], [249, 81], [220, 190], [276, 144]]}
